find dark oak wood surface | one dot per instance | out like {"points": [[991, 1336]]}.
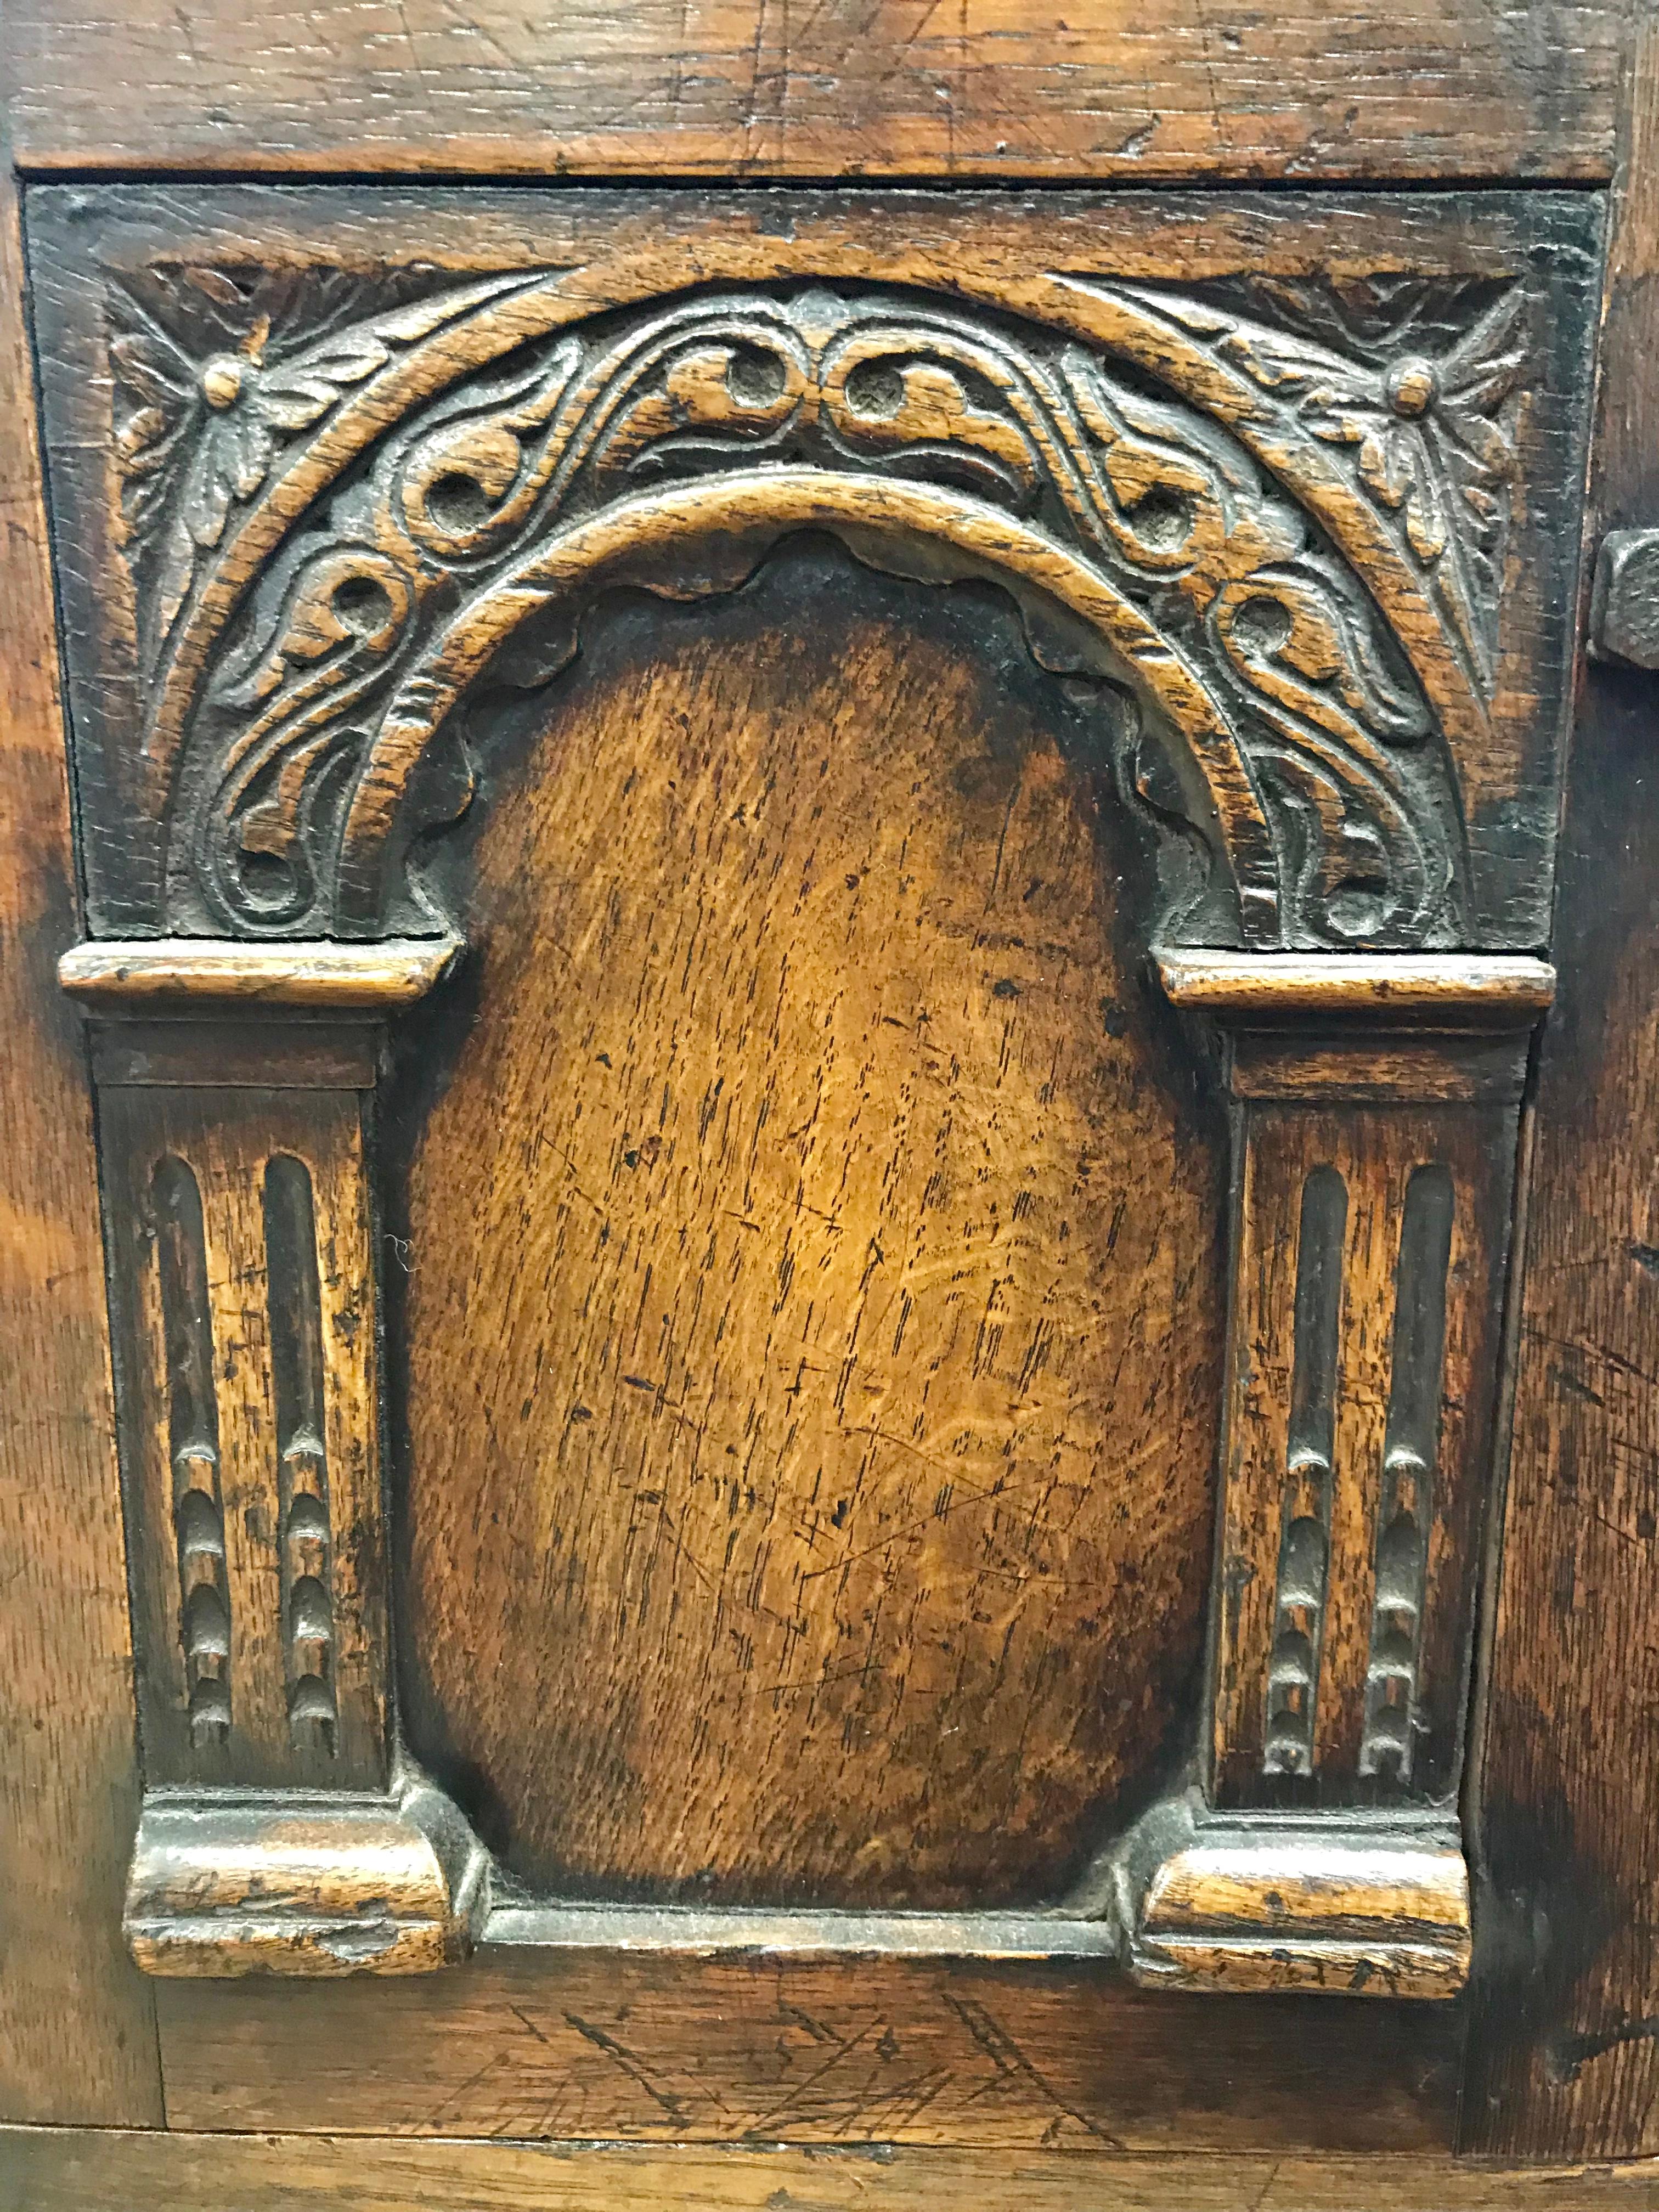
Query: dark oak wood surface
{"points": [[800, 1191], [882, 2050], [77, 2038], [1565, 2059], [41, 2171], [1310, 89]]}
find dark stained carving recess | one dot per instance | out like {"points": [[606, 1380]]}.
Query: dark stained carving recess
{"points": [[193, 1449], [1288, 546], [1304, 1554], [296, 1365], [1410, 1447]]}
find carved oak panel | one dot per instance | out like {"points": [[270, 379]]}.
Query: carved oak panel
{"points": [[243, 1255], [932, 732], [1315, 505]]}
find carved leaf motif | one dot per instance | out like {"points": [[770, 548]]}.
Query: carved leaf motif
{"points": [[1255, 608], [196, 435], [1425, 404]]}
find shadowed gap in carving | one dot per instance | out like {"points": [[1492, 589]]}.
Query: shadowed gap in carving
{"points": [[193, 1447], [1305, 1543], [297, 1376]]}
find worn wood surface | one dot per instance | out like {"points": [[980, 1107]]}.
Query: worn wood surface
{"points": [[1332, 561], [43, 2171], [1258, 1907], [77, 2041], [1434, 989], [1430, 88], [108, 976], [1624, 615], [651, 1791], [343, 1884], [248, 1052], [526, 2043], [818, 1508], [1565, 2060]]}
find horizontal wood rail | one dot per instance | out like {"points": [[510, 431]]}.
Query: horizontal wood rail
{"points": [[1475, 990], [113, 973]]}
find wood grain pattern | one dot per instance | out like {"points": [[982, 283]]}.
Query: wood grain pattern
{"points": [[990, 89], [107, 974], [44, 2171], [229, 1051], [674, 2051], [1345, 1065], [817, 1510], [233, 1884], [1565, 2060], [1250, 1907], [712, 863], [1465, 988], [77, 2039]]}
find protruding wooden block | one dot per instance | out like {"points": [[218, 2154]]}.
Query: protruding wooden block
{"points": [[286, 1883], [1344, 1907]]}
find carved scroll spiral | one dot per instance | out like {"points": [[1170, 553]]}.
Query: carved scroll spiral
{"points": [[308, 659], [1419, 398]]}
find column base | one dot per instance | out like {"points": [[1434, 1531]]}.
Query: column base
{"points": [[1352, 1906], [233, 1882]]}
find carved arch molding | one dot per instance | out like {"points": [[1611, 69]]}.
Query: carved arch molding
{"points": [[1287, 552]]}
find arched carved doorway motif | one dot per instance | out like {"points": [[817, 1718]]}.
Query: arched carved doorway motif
{"points": [[338, 542], [1282, 483]]}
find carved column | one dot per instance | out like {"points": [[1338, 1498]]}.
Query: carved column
{"points": [[279, 1829], [1375, 1102]]}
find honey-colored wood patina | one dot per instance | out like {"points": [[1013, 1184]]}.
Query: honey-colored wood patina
{"points": [[194, 972], [801, 985], [810, 1521], [1238, 1912], [861, 1205], [380, 1885]]}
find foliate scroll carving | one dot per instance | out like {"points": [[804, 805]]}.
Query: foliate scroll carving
{"points": [[203, 415], [1418, 389], [332, 540]]}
